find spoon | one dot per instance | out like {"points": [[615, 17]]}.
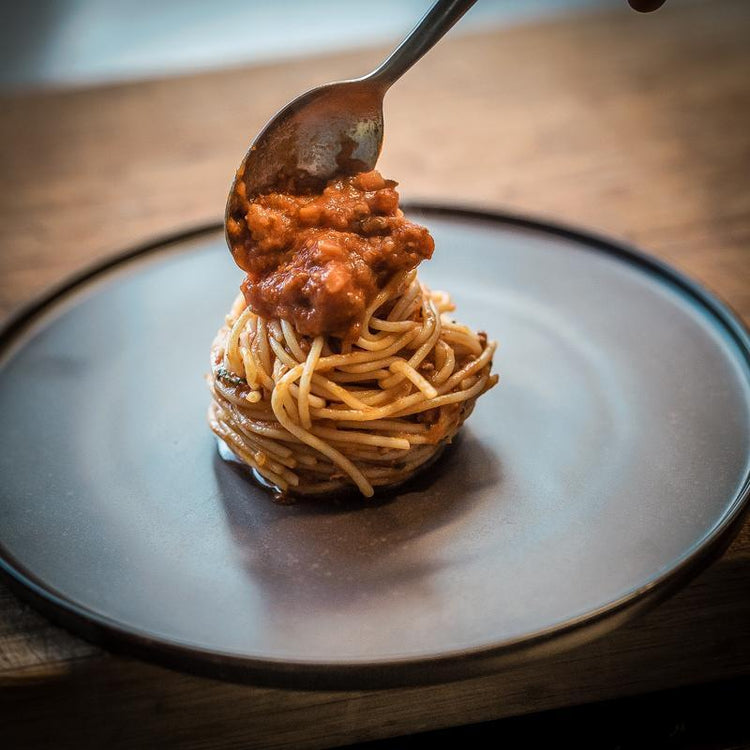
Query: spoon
{"points": [[336, 128]]}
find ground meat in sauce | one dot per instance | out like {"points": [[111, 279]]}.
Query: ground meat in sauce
{"points": [[319, 259]]}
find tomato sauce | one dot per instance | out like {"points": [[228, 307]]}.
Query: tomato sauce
{"points": [[319, 258]]}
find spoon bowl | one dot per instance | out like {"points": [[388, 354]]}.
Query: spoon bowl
{"points": [[335, 129]]}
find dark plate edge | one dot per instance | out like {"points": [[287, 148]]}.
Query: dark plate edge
{"points": [[393, 672], [23, 315]]}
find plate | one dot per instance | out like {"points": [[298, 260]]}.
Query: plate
{"points": [[608, 467]]}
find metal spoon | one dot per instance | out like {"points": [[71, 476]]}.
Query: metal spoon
{"points": [[336, 128]]}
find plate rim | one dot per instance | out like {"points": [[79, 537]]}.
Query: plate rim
{"points": [[389, 671]]}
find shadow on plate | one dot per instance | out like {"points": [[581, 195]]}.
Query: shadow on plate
{"points": [[340, 550]]}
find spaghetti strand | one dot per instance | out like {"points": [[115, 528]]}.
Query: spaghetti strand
{"points": [[312, 415]]}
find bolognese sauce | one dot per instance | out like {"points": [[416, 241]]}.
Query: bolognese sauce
{"points": [[319, 258]]}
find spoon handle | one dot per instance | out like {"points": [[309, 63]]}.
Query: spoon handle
{"points": [[433, 26]]}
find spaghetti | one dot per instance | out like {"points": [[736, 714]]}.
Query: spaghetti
{"points": [[312, 419], [336, 367]]}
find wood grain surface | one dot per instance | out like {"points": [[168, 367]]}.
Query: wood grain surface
{"points": [[637, 126]]}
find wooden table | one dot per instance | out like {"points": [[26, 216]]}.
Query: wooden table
{"points": [[638, 126]]}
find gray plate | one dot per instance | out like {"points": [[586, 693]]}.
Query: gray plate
{"points": [[609, 465]]}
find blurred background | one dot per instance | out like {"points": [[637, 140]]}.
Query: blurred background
{"points": [[78, 42]]}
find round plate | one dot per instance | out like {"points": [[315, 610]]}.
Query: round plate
{"points": [[608, 466]]}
